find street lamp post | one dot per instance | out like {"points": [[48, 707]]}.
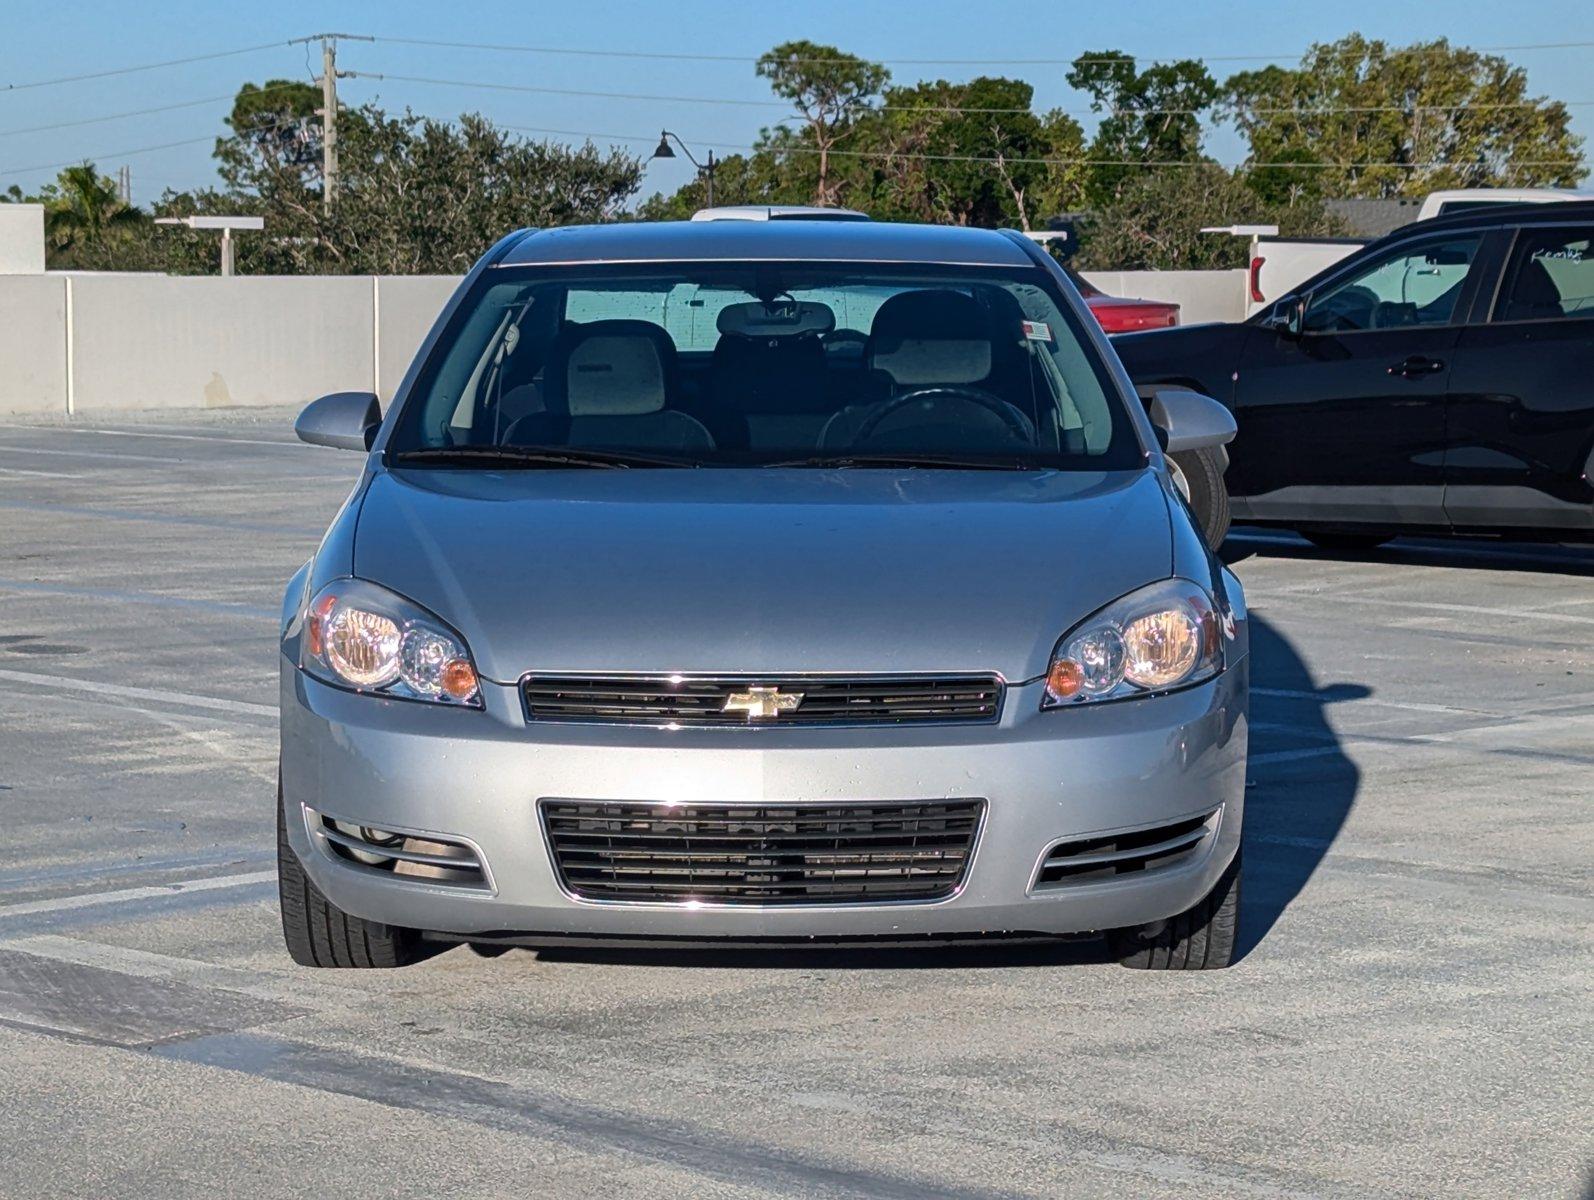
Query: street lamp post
{"points": [[706, 170]]}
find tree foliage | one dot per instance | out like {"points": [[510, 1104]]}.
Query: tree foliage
{"points": [[1151, 116], [86, 222], [1445, 116], [830, 90]]}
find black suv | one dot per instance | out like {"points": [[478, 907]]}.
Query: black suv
{"points": [[1439, 380]]}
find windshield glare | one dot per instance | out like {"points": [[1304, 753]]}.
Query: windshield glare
{"points": [[768, 364]]}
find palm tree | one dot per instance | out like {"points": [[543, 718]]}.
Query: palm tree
{"points": [[83, 213]]}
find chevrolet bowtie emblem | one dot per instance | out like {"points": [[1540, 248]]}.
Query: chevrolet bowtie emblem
{"points": [[762, 703]]}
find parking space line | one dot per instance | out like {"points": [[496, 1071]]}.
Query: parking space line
{"points": [[128, 895], [91, 454], [1479, 610], [184, 699], [42, 474], [159, 518], [280, 443], [1412, 706], [225, 607]]}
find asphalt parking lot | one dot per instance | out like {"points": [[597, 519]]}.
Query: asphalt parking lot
{"points": [[1412, 1016]]}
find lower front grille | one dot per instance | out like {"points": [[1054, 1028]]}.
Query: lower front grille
{"points": [[1107, 856], [761, 854]]}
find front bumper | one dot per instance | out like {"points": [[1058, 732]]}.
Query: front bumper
{"points": [[476, 777]]}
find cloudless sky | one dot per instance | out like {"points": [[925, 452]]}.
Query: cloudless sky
{"points": [[41, 41]]}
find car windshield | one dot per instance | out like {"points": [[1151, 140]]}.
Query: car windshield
{"points": [[765, 364]]}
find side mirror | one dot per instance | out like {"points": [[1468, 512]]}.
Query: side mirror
{"points": [[1187, 420], [343, 420], [1288, 318]]}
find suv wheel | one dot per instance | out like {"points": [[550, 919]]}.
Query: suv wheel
{"points": [[1197, 476], [318, 932], [1201, 938]]}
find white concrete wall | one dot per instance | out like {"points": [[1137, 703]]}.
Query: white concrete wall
{"points": [[1201, 295], [152, 341], [406, 306], [209, 342], [32, 343], [21, 239]]}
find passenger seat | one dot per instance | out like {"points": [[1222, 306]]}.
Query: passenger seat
{"points": [[612, 385]]}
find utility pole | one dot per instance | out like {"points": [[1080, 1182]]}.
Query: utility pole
{"points": [[329, 122]]}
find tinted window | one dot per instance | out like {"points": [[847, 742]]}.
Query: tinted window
{"points": [[748, 364], [1551, 276], [1411, 286]]}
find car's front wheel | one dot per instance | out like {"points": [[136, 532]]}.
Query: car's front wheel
{"points": [[1202, 938], [318, 932], [1199, 478]]}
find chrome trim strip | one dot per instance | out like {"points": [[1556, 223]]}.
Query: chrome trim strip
{"points": [[769, 679]]}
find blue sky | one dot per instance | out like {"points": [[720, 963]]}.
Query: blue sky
{"points": [[45, 41]]}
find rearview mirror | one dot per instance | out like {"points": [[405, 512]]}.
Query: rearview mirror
{"points": [[1187, 420], [342, 420]]}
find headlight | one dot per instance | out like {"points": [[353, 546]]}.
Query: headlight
{"points": [[362, 636], [1156, 639]]}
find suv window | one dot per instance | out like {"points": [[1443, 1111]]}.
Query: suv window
{"points": [[1551, 276], [1414, 285]]}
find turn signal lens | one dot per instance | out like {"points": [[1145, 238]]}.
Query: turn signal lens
{"points": [[1161, 637], [357, 634]]}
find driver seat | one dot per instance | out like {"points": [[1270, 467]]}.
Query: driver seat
{"points": [[930, 338]]}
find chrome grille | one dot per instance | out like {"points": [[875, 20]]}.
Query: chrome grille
{"points": [[702, 700], [761, 854], [1106, 856]]}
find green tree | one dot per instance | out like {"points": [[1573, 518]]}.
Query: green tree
{"points": [[830, 90], [1151, 116], [1400, 121], [967, 154], [86, 222], [1154, 222]]}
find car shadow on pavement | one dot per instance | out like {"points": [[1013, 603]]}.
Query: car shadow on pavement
{"points": [[1301, 784]]}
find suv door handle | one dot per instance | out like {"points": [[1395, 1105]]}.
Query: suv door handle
{"points": [[1417, 366]]}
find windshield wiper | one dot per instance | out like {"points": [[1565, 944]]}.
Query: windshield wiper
{"points": [[534, 456], [950, 461]]}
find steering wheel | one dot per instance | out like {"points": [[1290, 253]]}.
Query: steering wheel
{"points": [[999, 408]]}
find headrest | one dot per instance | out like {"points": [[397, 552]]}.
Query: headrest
{"points": [[617, 369], [1535, 287], [782, 318], [931, 337]]}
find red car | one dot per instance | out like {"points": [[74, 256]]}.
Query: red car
{"points": [[1118, 315]]}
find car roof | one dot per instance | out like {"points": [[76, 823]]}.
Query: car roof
{"points": [[1505, 213], [787, 240]]}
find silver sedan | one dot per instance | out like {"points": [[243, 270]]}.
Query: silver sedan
{"points": [[753, 580]]}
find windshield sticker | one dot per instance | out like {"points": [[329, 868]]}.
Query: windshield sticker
{"points": [[1037, 331]]}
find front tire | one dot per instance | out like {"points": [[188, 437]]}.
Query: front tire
{"points": [[1197, 475], [1202, 938], [320, 934]]}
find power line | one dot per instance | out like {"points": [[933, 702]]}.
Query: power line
{"points": [[952, 109], [665, 56], [155, 66], [915, 156], [144, 112], [82, 158]]}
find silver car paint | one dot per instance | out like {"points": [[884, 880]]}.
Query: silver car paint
{"points": [[976, 552], [762, 571]]}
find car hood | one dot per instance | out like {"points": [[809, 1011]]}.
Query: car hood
{"points": [[762, 571]]}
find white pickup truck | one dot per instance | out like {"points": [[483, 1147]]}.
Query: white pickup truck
{"points": [[1278, 264]]}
